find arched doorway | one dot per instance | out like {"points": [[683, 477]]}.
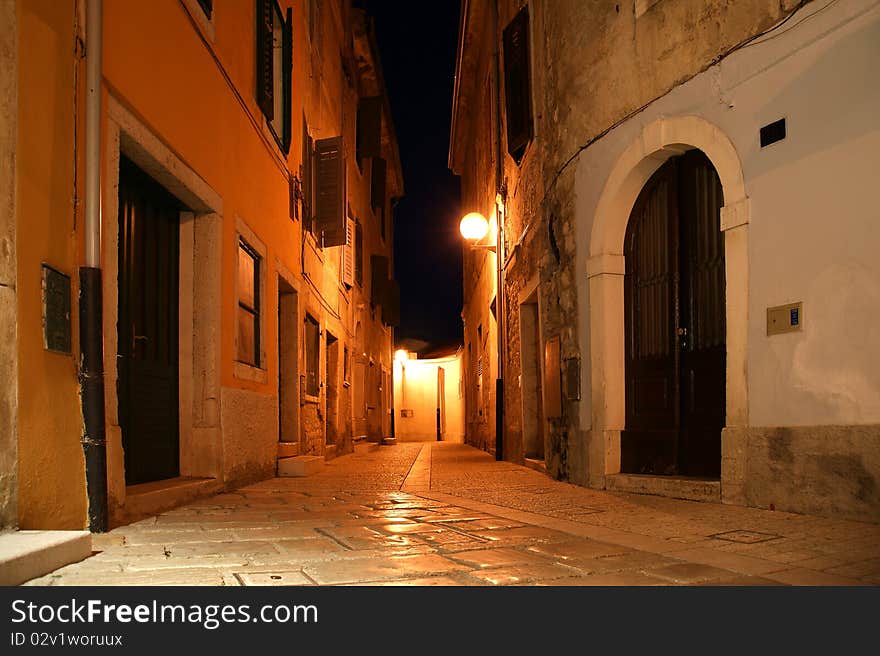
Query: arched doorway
{"points": [[675, 327]]}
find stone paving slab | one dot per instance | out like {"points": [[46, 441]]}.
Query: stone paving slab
{"points": [[444, 514]]}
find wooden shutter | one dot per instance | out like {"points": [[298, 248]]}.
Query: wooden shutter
{"points": [[348, 254], [306, 174], [378, 279], [369, 127], [391, 304], [286, 64], [359, 253], [265, 83], [377, 183], [330, 191], [517, 86]]}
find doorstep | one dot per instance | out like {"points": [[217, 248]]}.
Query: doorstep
{"points": [[676, 487], [537, 465], [26, 555], [299, 466], [145, 499]]}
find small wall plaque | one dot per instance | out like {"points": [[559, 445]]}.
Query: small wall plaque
{"points": [[56, 310], [785, 318]]}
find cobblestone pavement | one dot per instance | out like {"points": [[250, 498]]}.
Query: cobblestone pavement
{"points": [[446, 514]]}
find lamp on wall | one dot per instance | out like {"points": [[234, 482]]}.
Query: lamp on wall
{"points": [[474, 227]]}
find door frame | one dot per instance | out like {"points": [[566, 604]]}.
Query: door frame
{"points": [[605, 406], [199, 290]]}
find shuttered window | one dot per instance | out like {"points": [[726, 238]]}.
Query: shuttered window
{"points": [[517, 85], [330, 192], [359, 253], [377, 191], [348, 254], [274, 61], [391, 304], [369, 127], [306, 174], [378, 279], [312, 338], [248, 305]]}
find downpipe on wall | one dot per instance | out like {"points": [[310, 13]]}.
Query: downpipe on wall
{"points": [[91, 339]]}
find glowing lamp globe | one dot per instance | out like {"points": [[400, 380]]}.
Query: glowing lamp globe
{"points": [[474, 226]]}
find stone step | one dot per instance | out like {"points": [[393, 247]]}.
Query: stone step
{"points": [[693, 489], [25, 555], [288, 449], [297, 466]]}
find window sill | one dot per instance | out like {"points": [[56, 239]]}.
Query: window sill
{"points": [[308, 398], [244, 371]]}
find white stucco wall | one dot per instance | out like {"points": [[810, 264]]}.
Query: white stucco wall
{"points": [[415, 389], [814, 230]]}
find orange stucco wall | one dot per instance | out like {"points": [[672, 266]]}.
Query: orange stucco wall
{"points": [[194, 109], [51, 465]]}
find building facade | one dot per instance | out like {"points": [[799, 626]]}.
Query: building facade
{"points": [[247, 165], [689, 279]]}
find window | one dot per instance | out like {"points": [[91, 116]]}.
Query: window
{"points": [[312, 335], [307, 178], [248, 305], [369, 128], [377, 191], [274, 60], [330, 202], [346, 367], [517, 85], [359, 253], [347, 267]]}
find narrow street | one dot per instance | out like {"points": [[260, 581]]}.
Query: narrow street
{"points": [[449, 514]]}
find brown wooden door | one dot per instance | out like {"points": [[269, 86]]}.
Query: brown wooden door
{"points": [[675, 323], [149, 253]]}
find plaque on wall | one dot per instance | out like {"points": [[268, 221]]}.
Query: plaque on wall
{"points": [[56, 310]]}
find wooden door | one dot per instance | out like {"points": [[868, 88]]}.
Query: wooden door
{"points": [[675, 323], [149, 254]]}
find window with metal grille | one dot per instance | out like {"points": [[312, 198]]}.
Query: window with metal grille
{"points": [[248, 305]]}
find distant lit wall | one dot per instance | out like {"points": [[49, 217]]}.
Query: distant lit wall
{"points": [[420, 388]]}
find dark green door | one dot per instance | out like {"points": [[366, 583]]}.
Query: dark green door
{"points": [[149, 256]]}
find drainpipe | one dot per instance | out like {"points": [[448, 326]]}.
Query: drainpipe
{"points": [[91, 339], [499, 247]]}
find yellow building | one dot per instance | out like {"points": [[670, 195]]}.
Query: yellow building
{"points": [[245, 167]]}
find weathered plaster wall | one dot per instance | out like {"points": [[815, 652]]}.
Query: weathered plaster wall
{"points": [[823, 378], [250, 441], [51, 467], [8, 305]]}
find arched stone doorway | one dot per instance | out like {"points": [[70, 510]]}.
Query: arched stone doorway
{"points": [[675, 323], [659, 141]]}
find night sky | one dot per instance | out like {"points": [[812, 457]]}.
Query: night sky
{"points": [[417, 50]]}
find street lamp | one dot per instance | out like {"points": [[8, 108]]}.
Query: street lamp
{"points": [[473, 228]]}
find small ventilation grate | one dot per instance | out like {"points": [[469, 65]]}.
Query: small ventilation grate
{"points": [[773, 132]]}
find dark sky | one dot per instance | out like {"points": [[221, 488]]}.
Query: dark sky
{"points": [[417, 46]]}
